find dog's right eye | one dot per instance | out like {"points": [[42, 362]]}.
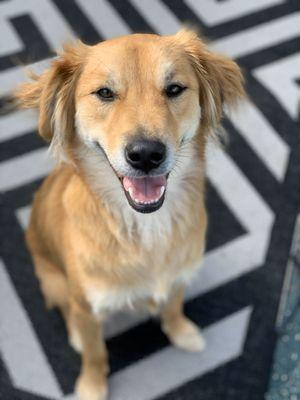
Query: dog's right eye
{"points": [[174, 90], [106, 94]]}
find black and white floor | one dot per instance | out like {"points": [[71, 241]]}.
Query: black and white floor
{"points": [[253, 201]]}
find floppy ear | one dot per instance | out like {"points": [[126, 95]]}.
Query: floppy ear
{"points": [[52, 93], [220, 79]]}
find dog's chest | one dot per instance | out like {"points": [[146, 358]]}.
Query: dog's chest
{"points": [[104, 300]]}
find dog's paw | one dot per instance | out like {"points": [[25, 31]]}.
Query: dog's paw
{"points": [[186, 336], [91, 389]]}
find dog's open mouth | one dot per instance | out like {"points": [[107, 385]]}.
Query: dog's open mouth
{"points": [[145, 194]]}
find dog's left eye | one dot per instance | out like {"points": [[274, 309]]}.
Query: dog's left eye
{"points": [[174, 90], [106, 94]]}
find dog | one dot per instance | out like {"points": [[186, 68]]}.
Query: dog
{"points": [[121, 221]]}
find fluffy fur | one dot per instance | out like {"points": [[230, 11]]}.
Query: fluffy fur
{"points": [[93, 253]]}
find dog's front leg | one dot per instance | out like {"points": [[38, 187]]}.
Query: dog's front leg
{"points": [[92, 383], [181, 332]]}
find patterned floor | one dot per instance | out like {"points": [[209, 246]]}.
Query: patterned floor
{"points": [[253, 201]]}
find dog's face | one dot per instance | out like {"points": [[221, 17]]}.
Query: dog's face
{"points": [[137, 100], [132, 104]]}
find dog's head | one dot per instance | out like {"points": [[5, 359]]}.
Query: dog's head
{"points": [[129, 109]]}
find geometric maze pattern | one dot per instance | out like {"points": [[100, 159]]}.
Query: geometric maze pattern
{"points": [[253, 198]]}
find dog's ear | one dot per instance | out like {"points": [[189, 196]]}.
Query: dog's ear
{"points": [[220, 79], [52, 93]]}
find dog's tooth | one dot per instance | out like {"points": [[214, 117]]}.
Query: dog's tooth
{"points": [[162, 190], [130, 190]]}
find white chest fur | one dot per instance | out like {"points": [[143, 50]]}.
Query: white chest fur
{"points": [[105, 301], [108, 300]]}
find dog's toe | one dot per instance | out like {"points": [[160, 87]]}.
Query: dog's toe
{"points": [[187, 336], [88, 389]]}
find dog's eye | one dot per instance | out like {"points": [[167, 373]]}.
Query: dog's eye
{"points": [[174, 90], [106, 94]]}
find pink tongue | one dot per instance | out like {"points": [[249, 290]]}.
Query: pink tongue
{"points": [[145, 189]]}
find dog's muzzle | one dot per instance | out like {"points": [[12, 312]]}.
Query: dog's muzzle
{"points": [[145, 192]]}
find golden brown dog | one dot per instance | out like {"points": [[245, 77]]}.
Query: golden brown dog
{"points": [[121, 221]]}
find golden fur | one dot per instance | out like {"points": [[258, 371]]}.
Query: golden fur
{"points": [[92, 252]]}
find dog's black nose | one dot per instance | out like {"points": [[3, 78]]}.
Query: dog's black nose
{"points": [[145, 154]]}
